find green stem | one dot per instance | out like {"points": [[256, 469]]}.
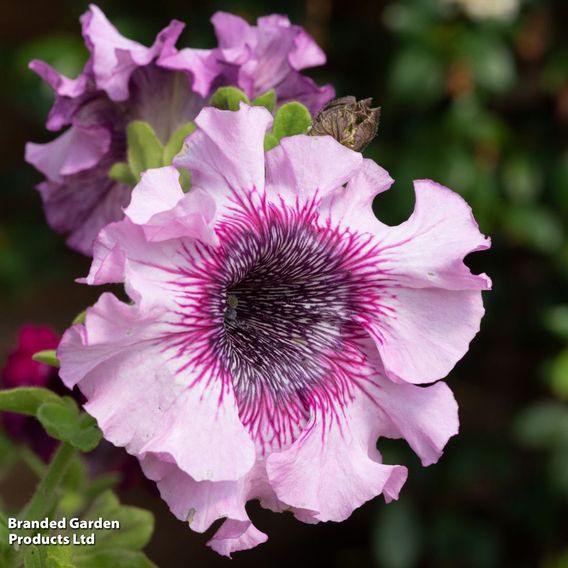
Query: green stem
{"points": [[45, 494], [32, 461]]}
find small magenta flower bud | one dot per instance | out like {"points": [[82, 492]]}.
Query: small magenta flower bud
{"points": [[351, 122]]}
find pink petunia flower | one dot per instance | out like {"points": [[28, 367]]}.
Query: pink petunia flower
{"points": [[124, 81], [276, 327]]}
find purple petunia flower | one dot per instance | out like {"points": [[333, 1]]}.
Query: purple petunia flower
{"points": [[124, 81], [267, 56], [277, 327]]}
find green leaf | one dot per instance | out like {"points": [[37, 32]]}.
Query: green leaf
{"points": [[121, 172], [534, 226], [48, 356], [144, 148], [291, 119], [59, 556], [34, 557], [26, 400], [228, 98], [136, 525], [543, 425], [559, 375], [176, 141], [52, 562], [63, 421], [556, 321], [92, 558], [267, 100]]}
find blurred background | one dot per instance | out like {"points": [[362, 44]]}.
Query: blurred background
{"points": [[474, 94]]}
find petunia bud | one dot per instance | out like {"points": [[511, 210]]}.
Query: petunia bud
{"points": [[351, 122]]}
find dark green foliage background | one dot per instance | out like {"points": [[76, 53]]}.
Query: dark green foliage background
{"points": [[479, 106]]}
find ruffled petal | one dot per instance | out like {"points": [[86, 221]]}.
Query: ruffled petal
{"points": [[165, 212], [76, 150], [422, 333], [149, 269], [232, 30], [309, 167], [201, 503], [305, 90], [114, 57], [143, 401], [307, 53], [352, 205], [426, 417], [233, 536], [61, 85], [82, 205], [269, 56], [225, 154], [334, 467], [200, 64], [429, 248]]}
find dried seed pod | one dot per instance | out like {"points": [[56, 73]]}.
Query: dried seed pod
{"points": [[351, 122]]}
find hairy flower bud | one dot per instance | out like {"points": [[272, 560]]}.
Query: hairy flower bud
{"points": [[351, 122]]}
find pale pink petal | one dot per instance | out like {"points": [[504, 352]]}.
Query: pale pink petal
{"points": [[76, 150], [334, 467], [233, 536], [308, 166], [426, 417], [150, 269], [352, 204], [429, 248], [199, 503], [158, 191], [422, 333], [226, 153], [120, 350], [219, 448], [166, 212], [232, 30]]}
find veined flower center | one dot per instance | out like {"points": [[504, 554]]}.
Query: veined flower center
{"points": [[285, 303]]}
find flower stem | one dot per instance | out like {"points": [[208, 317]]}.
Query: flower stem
{"points": [[45, 494]]}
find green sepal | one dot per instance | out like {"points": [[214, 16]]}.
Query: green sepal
{"points": [[26, 400], [291, 119], [184, 179], [228, 98], [121, 172], [176, 141], [63, 421], [267, 100], [145, 150], [80, 317], [270, 141], [48, 356]]}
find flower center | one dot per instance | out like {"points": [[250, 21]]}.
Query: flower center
{"points": [[286, 301]]}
